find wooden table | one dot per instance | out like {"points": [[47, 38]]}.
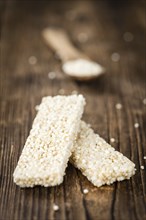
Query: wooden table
{"points": [[24, 81]]}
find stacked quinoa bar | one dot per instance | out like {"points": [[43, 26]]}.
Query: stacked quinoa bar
{"points": [[57, 136]]}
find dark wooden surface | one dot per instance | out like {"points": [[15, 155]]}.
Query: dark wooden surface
{"points": [[22, 86]]}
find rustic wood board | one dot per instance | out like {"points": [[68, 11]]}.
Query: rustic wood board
{"points": [[22, 86]]}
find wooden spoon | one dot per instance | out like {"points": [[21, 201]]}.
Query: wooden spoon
{"points": [[74, 63]]}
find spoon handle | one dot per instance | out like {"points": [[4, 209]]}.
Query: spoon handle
{"points": [[59, 41]]}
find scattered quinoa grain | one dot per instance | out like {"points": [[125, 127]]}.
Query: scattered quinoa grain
{"points": [[119, 106], [128, 37], [61, 91], [144, 157], [115, 57], [37, 107], [136, 125], [82, 37], [74, 92], [144, 101], [52, 75], [85, 191], [55, 207], [112, 140], [32, 60], [142, 167]]}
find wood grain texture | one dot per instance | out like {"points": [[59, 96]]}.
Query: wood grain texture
{"points": [[22, 86]]}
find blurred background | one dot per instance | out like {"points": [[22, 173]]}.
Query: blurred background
{"points": [[111, 33]]}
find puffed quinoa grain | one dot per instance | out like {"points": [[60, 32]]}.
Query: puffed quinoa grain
{"points": [[136, 125], [85, 191], [55, 207]]}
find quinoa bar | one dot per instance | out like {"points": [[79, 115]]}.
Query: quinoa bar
{"points": [[49, 145], [97, 160]]}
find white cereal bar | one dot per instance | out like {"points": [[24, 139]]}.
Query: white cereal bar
{"points": [[50, 142], [97, 160]]}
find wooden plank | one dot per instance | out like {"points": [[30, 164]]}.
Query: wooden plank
{"points": [[23, 85]]}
